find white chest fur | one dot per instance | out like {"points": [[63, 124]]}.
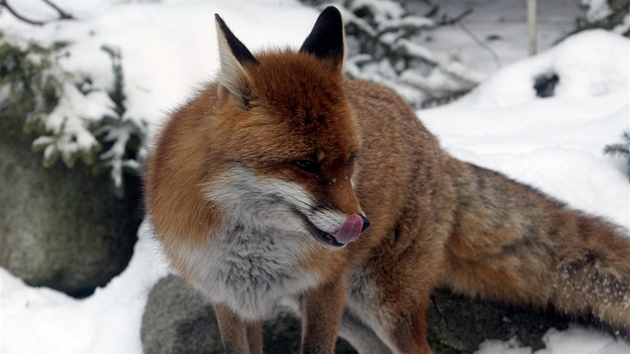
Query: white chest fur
{"points": [[253, 261], [250, 269]]}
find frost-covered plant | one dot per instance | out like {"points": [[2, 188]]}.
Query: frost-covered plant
{"points": [[72, 119], [122, 136], [380, 36], [33, 86], [29, 81], [609, 14], [621, 149]]}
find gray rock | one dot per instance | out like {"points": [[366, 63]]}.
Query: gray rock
{"points": [[459, 324], [178, 319], [61, 228]]}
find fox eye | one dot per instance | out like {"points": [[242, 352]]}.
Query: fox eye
{"points": [[307, 166]]}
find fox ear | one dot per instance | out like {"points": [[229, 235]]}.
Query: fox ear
{"points": [[233, 57], [327, 40]]}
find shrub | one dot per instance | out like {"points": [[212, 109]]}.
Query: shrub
{"points": [[72, 119]]}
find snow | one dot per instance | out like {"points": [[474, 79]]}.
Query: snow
{"points": [[106, 322], [575, 340], [169, 49], [579, 63], [554, 143], [75, 136], [597, 10]]}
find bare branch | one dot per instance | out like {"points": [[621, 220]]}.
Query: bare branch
{"points": [[18, 16], [62, 14], [451, 21]]}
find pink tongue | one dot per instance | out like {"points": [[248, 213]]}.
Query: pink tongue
{"points": [[350, 230]]}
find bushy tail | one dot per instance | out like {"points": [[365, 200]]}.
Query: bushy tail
{"points": [[593, 277], [514, 244]]}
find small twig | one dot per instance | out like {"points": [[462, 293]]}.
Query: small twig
{"points": [[19, 17], [451, 21], [62, 14], [480, 43], [432, 11], [458, 20]]}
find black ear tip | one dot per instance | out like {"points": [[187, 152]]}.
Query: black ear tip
{"points": [[219, 20], [238, 49], [331, 11], [326, 40], [331, 16]]}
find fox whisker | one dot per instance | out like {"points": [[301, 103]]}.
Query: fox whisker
{"points": [[293, 197]]}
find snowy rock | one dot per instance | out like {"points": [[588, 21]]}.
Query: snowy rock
{"points": [[178, 319], [458, 323], [60, 228]]}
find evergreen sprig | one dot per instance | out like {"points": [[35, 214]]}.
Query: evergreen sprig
{"points": [[609, 14], [383, 47], [621, 149], [27, 74], [122, 136]]}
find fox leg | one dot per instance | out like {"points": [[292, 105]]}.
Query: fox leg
{"points": [[236, 335], [398, 320], [407, 329], [255, 337], [361, 336], [413, 271], [322, 309], [393, 302]]}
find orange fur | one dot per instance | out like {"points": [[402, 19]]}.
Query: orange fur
{"points": [[227, 195]]}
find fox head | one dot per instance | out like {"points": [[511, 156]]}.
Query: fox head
{"points": [[289, 136]]}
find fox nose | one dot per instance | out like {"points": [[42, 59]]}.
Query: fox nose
{"points": [[366, 223]]}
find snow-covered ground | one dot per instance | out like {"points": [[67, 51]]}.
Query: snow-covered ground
{"points": [[169, 49]]}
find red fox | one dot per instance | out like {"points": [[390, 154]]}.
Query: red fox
{"points": [[260, 190]]}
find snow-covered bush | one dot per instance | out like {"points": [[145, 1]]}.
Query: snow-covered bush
{"points": [[382, 48], [72, 119], [122, 136], [621, 149], [609, 14], [30, 83]]}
